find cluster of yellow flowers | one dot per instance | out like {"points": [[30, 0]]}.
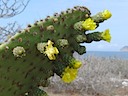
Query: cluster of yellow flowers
{"points": [[50, 51], [70, 73], [89, 24]]}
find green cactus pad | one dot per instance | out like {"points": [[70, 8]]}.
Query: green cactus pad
{"points": [[24, 63]]}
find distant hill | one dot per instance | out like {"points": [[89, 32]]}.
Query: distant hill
{"points": [[125, 48]]}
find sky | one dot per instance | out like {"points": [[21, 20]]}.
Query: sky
{"points": [[117, 24]]}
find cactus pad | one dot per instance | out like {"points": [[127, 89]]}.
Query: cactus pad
{"points": [[34, 54]]}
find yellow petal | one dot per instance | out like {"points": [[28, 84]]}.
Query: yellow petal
{"points": [[77, 64], [50, 42], [66, 78], [106, 14], [106, 35], [89, 24], [50, 51], [69, 75], [51, 57], [56, 50]]}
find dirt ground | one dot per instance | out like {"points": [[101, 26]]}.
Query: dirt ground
{"points": [[50, 93], [120, 92], [68, 93], [64, 94]]}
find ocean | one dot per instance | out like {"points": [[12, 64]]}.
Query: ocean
{"points": [[109, 54]]}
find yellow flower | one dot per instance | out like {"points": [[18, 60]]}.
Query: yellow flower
{"points": [[69, 74], [89, 24], [106, 35], [51, 51], [50, 42], [75, 63], [106, 14]]}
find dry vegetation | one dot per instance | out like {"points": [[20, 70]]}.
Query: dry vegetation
{"points": [[98, 76]]}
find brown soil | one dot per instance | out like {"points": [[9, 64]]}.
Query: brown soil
{"points": [[119, 92], [68, 93]]}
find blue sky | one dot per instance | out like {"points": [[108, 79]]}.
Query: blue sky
{"points": [[117, 23]]}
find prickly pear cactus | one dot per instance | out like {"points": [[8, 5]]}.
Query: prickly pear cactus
{"points": [[34, 54]]}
